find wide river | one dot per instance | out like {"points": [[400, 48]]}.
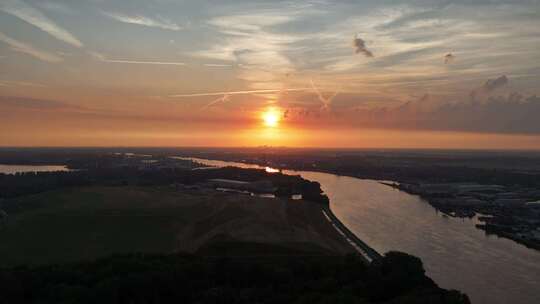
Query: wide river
{"points": [[455, 254]]}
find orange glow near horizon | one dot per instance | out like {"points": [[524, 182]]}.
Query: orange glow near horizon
{"points": [[271, 117]]}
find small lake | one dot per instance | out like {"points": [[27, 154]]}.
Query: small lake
{"points": [[455, 253], [12, 169]]}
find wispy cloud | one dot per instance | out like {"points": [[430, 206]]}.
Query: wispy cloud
{"points": [[22, 47], [160, 22], [256, 41], [56, 7], [33, 103], [102, 57], [217, 65], [21, 83], [31, 15]]}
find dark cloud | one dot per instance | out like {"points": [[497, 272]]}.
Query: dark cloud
{"points": [[493, 84], [360, 47], [449, 58], [503, 114], [488, 87], [509, 114]]}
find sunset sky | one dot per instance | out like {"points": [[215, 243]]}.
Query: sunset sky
{"points": [[410, 74]]}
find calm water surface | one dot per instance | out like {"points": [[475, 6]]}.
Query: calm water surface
{"points": [[455, 254], [12, 169]]}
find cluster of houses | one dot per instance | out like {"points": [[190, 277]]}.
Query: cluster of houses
{"points": [[471, 194], [513, 211], [260, 188]]}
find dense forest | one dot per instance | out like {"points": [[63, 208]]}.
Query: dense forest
{"points": [[137, 278]]}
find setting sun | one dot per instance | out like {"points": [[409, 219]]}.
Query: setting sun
{"points": [[271, 117]]}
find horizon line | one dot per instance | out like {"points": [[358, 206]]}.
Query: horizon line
{"points": [[276, 147]]}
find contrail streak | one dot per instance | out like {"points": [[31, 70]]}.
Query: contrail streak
{"points": [[144, 62], [238, 92], [217, 65], [222, 99], [102, 58], [326, 101]]}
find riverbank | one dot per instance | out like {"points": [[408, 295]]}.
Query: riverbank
{"points": [[268, 250], [510, 199], [456, 254], [504, 212], [368, 253]]}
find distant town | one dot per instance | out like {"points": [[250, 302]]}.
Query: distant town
{"points": [[508, 211]]}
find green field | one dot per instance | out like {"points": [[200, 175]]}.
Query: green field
{"points": [[78, 224], [85, 223]]}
